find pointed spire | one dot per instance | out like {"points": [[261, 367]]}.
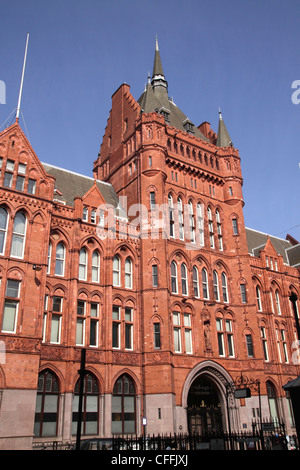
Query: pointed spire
{"points": [[157, 67], [223, 139]]}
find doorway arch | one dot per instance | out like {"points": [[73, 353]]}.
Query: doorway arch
{"points": [[204, 398], [204, 408]]}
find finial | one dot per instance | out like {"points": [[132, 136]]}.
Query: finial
{"points": [[156, 44], [220, 114]]}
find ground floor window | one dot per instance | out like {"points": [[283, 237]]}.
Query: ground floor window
{"points": [[124, 406], [46, 412], [90, 406]]}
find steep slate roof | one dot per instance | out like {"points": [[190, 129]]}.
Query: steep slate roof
{"points": [[155, 98], [257, 241], [223, 139], [69, 185]]}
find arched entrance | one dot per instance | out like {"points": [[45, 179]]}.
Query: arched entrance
{"points": [[204, 410]]}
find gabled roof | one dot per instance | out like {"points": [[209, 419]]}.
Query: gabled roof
{"points": [[257, 242], [69, 185]]}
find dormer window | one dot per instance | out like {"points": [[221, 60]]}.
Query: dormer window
{"points": [[165, 113], [188, 126]]}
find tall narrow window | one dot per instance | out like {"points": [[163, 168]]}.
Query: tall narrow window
{"points": [[235, 227], [284, 345], [128, 328], [128, 273], [200, 225], [264, 343], [80, 322], [258, 298], [219, 230], [184, 281], [116, 271], [210, 228], [224, 287], [60, 260], [171, 215], [195, 281], [152, 200], [277, 302], [95, 266], [188, 333], [154, 276], [49, 258], [220, 335], [18, 238], [10, 314], [272, 401], [249, 345], [180, 218], [56, 319], [192, 222], [243, 293], [205, 284], [94, 323], [116, 325], [156, 332], [82, 264], [216, 286], [229, 334], [174, 285], [3, 229], [177, 332]]}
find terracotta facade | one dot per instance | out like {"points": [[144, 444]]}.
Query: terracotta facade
{"points": [[157, 305]]}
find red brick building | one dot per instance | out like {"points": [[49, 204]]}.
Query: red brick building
{"points": [[147, 265]]}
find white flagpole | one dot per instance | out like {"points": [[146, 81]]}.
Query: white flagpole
{"points": [[21, 86]]}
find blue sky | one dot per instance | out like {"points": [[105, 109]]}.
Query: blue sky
{"points": [[242, 56]]}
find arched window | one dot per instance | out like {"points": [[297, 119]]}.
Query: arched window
{"points": [[95, 266], [210, 228], [18, 238], [60, 260], [49, 258], [90, 406], [271, 391], [3, 229], [195, 281], [216, 286], [128, 273], [224, 287], [258, 298], [277, 299], [171, 215], [205, 284], [192, 222], [180, 218], [123, 406], [116, 271], [200, 226], [219, 230], [174, 285], [82, 264], [46, 411], [184, 282]]}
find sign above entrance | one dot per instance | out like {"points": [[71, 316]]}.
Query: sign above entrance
{"points": [[242, 393]]}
